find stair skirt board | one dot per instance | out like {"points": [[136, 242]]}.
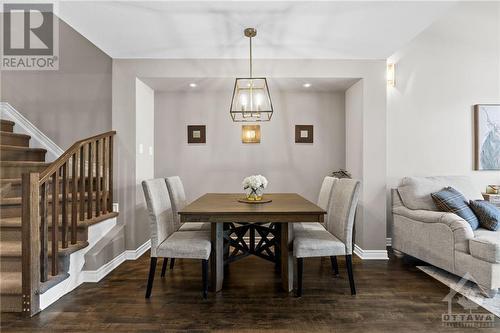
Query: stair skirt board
{"points": [[76, 263]]}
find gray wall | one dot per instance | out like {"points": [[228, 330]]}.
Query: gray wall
{"points": [[125, 72], [71, 103], [221, 164]]}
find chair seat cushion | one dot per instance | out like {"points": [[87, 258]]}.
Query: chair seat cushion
{"points": [[298, 227], [186, 244], [195, 226], [317, 243]]}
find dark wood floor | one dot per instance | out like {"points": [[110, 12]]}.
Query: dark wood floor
{"points": [[393, 296]]}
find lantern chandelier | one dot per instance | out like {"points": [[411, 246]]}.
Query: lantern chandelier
{"points": [[251, 99]]}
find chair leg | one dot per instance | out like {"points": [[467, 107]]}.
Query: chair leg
{"points": [[152, 269], [172, 262], [300, 275], [335, 265], [204, 275], [164, 267], [348, 260]]}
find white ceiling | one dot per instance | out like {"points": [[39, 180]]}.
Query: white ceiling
{"points": [[286, 29], [227, 84]]}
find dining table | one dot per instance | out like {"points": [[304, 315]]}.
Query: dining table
{"points": [[235, 224]]}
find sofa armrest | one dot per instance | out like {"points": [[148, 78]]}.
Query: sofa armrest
{"points": [[485, 250], [462, 230]]}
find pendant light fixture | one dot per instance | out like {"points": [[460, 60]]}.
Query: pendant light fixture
{"points": [[251, 99]]}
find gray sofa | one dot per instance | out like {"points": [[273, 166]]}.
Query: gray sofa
{"points": [[444, 239]]}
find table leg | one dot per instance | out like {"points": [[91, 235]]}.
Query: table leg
{"points": [[286, 256], [217, 257]]}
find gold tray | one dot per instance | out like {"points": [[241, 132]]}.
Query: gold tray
{"points": [[245, 200]]}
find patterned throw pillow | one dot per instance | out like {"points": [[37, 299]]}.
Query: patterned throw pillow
{"points": [[452, 201], [488, 214]]}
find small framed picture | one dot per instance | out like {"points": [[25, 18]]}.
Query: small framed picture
{"points": [[250, 134], [304, 134], [196, 134]]}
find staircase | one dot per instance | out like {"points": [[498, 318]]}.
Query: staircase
{"points": [[16, 157], [60, 200]]}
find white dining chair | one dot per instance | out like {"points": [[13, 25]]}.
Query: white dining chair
{"points": [[336, 239], [166, 239], [323, 202]]}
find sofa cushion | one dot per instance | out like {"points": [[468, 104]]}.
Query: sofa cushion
{"points": [[486, 245], [452, 201], [488, 214], [416, 192]]}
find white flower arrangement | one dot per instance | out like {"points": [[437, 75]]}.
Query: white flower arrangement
{"points": [[255, 182]]}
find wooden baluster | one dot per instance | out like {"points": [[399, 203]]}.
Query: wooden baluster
{"points": [[64, 205], [98, 148], [110, 200], [81, 199], [105, 187], [55, 223], [74, 201], [44, 234], [90, 188], [30, 231]]}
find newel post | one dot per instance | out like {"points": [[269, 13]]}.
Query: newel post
{"points": [[30, 244]]}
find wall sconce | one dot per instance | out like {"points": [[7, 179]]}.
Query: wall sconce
{"points": [[250, 134], [391, 75]]}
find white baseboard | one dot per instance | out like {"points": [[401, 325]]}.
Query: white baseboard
{"points": [[24, 126], [135, 254], [370, 254], [363, 254], [98, 274]]}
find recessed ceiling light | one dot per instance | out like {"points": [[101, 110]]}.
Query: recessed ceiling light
{"points": [[306, 85], [193, 85]]}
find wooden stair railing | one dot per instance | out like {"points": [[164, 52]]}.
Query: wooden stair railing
{"points": [[75, 187]]}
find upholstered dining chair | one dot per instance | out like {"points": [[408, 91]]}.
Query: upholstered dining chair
{"points": [[166, 239], [323, 202], [336, 239], [178, 201]]}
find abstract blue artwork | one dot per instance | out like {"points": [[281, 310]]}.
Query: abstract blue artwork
{"points": [[487, 132]]}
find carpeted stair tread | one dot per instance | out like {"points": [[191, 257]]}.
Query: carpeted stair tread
{"points": [[18, 200], [10, 283], [20, 148], [14, 249], [10, 249], [15, 222]]}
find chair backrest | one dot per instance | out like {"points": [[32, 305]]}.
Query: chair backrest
{"points": [[177, 197], [160, 211], [345, 196], [325, 192]]}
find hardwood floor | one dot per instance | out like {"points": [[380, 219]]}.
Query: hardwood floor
{"points": [[392, 296]]}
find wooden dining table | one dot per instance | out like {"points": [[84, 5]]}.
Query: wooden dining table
{"points": [[283, 210]]}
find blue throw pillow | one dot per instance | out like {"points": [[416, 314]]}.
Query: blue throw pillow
{"points": [[452, 201], [488, 214]]}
